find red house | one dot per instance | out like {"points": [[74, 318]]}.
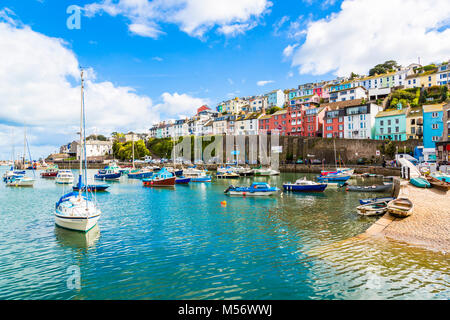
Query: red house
{"points": [[333, 122], [202, 108]]}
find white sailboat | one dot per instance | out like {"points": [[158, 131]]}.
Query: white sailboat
{"points": [[17, 178], [78, 210]]}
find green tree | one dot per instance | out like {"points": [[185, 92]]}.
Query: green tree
{"points": [[273, 110], [383, 67]]}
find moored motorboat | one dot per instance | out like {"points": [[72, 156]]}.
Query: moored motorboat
{"points": [[163, 178], [64, 177], [20, 181], [197, 175], [140, 174], [401, 207], [50, 172], [420, 182], [110, 172], [256, 189], [372, 209], [91, 187], [228, 175], [265, 172], [373, 188], [331, 177], [182, 180], [303, 185]]}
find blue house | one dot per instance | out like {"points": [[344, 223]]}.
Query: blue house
{"points": [[433, 125]]}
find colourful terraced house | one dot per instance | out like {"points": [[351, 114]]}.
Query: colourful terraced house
{"points": [[433, 125], [391, 124]]}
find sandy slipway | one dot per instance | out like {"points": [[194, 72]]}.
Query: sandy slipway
{"points": [[429, 225]]}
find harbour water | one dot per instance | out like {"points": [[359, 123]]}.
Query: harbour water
{"points": [[183, 244]]}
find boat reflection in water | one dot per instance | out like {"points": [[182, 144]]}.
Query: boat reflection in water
{"points": [[74, 239]]}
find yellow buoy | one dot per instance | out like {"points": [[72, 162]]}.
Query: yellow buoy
{"points": [[223, 203]]}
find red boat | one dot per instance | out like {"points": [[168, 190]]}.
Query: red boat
{"points": [[50, 173], [163, 178]]}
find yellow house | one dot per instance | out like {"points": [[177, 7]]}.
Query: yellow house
{"points": [[414, 123], [421, 80]]}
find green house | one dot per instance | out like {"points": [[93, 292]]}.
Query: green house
{"points": [[391, 124]]}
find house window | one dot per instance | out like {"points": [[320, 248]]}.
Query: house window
{"points": [[381, 122], [435, 126], [396, 121], [381, 130], [435, 138], [434, 115], [389, 122], [397, 129]]}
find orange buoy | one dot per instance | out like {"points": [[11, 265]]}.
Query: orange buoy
{"points": [[223, 203]]}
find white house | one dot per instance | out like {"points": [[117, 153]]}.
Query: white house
{"points": [[275, 98], [95, 148], [348, 94], [359, 121], [247, 124]]}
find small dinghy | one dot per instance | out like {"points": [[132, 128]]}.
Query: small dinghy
{"points": [[374, 188], [256, 189], [420, 183], [438, 184], [372, 209], [373, 200], [303, 185], [401, 207]]}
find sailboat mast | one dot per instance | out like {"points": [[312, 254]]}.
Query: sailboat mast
{"points": [[13, 152], [335, 160], [24, 145], [81, 136], [133, 148]]}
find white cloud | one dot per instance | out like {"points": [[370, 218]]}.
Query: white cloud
{"points": [[176, 104], [230, 81], [235, 29], [366, 32], [289, 50], [195, 17], [159, 59], [264, 82], [40, 89]]}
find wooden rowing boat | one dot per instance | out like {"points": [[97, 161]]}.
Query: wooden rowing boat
{"points": [[372, 209], [438, 184], [401, 207]]}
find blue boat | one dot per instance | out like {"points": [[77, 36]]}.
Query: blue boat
{"points": [[333, 178], [108, 173], [90, 187], [420, 182], [140, 174], [256, 189], [182, 180], [303, 185], [375, 200]]}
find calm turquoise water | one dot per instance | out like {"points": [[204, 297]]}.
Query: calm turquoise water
{"points": [[182, 244]]}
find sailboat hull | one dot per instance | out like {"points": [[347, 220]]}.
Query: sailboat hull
{"points": [[82, 224]]}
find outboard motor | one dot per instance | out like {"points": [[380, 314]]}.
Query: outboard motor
{"points": [[228, 189]]}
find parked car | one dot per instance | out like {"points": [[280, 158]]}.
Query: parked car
{"points": [[316, 161], [299, 161]]}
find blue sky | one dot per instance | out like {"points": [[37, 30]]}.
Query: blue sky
{"points": [[200, 67], [162, 59]]}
